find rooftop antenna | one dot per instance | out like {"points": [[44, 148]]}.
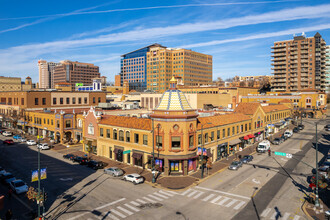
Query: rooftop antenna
{"points": [[303, 34]]}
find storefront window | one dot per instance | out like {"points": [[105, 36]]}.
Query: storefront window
{"points": [[199, 139], [218, 134], [121, 135], [206, 137], [212, 136], [128, 136], [91, 129], [101, 132], [136, 138], [176, 142]]}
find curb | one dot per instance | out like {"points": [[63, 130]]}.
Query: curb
{"points": [[303, 207]]}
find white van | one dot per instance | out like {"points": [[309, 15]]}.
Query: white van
{"points": [[263, 146], [7, 133], [288, 133]]}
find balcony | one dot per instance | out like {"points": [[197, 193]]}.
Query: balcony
{"points": [[278, 46], [278, 63], [279, 68], [278, 55], [279, 50], [278, 59]]}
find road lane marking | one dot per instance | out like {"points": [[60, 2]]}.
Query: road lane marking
{"points": [[239, 205], [198, 195], [286, 216], [216, 199], [141, 201], [192, 193], [160, 195], [150, 200], [112, 216], [226, 193], [155, 197], [101, 207], [135, 203], [265, 212], [208, 197], [223, 201], [185, 192], [274, 215], [118, 213], [131, 207], [125, 210], [166, 193], [231, 203]]}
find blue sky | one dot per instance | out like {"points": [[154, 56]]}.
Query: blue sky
{"points": [[238, 34]]}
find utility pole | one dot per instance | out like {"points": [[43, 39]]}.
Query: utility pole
{"points": [[317, 202], [153, 152], [38, 178], [202, 152]]}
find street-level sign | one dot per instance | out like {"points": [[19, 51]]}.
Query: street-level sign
{"points": [[289, 155], [280, 154], [126, 152]]}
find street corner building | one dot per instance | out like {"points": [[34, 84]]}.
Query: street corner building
{"points": [[176, 136]]}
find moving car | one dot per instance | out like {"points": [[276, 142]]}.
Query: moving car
{"points": [[22, 139], [263, 146], [7, 178], [288, 133], [80, 160], [114, 171], [327, 127], [277, 141], [247, 158], [295, 130], [8, 142], [17, 136], [31, 142], [235, 165], [95, 164], [326, 163], [43, 146], [18, 186], [7, 133], [134, 178], [69, 156]]}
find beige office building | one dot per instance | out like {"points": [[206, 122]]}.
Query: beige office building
{"points": [[299, 64], [46, 70]]}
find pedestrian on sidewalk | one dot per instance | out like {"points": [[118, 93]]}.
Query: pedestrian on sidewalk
{"points": [[9, 214], [269, 152]]}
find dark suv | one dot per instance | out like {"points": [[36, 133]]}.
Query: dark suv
{"points": [[81, 160], [301, 127], [96, 164], [277, 141]]}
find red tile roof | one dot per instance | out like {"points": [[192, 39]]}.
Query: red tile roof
{"points": [[271, 108], [127, 122], [248, 108], [213, 121]]}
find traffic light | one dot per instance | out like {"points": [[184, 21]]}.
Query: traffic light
{"points": [[45, 196]]}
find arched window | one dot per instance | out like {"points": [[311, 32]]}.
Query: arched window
{"points": [[79, 123], [121, 135], [115, 134], [128, 136], [91, 129]]}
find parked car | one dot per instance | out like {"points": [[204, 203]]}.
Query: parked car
{"points": [[134, 178], [1, 131], [114, 171], [324, 170], [94, 164], [7, 178], [43, 146], [31, 142], [295, 130], [288, 133], [7, 133], [69, 156], [283, 137], [22, 139], [327, 158], [2, 171], [263, 146], [247, 158], [301, 127], [17, 136], [327, 127], [8, 142], [277, 141], [326, 163], [18, 186], [80, 160], [235, 165]]}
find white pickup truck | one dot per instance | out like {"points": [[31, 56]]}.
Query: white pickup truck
{"points": [[263, 146], [288, 133]]}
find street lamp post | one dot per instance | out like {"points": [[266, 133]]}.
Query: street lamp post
{"points": [[38, 177], [153, 152], [317, 202], [202, 156]]}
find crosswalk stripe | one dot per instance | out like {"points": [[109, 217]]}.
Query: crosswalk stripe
{"points": [[166, 193], [231, 203], [265, 212], [160, 195], [172, 192], [155, 197], [296, 217], [135, 203], [118, 213], [239, 205], [274, 215], [198, 195], [286, 216], [133, 208], [192, 193], [141, 201], [185, 192], [216, 199], [223, 201], [113, 217], [125, 210], [208, 197], [150, 200]]}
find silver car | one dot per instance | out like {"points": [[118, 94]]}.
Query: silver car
{"points": [[235, 165], [114, 171]]}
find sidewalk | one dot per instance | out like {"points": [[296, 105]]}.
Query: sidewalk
{"points": [[315, 213]]}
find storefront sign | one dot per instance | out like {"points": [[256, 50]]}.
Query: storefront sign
{"points": [[127, 152]]}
